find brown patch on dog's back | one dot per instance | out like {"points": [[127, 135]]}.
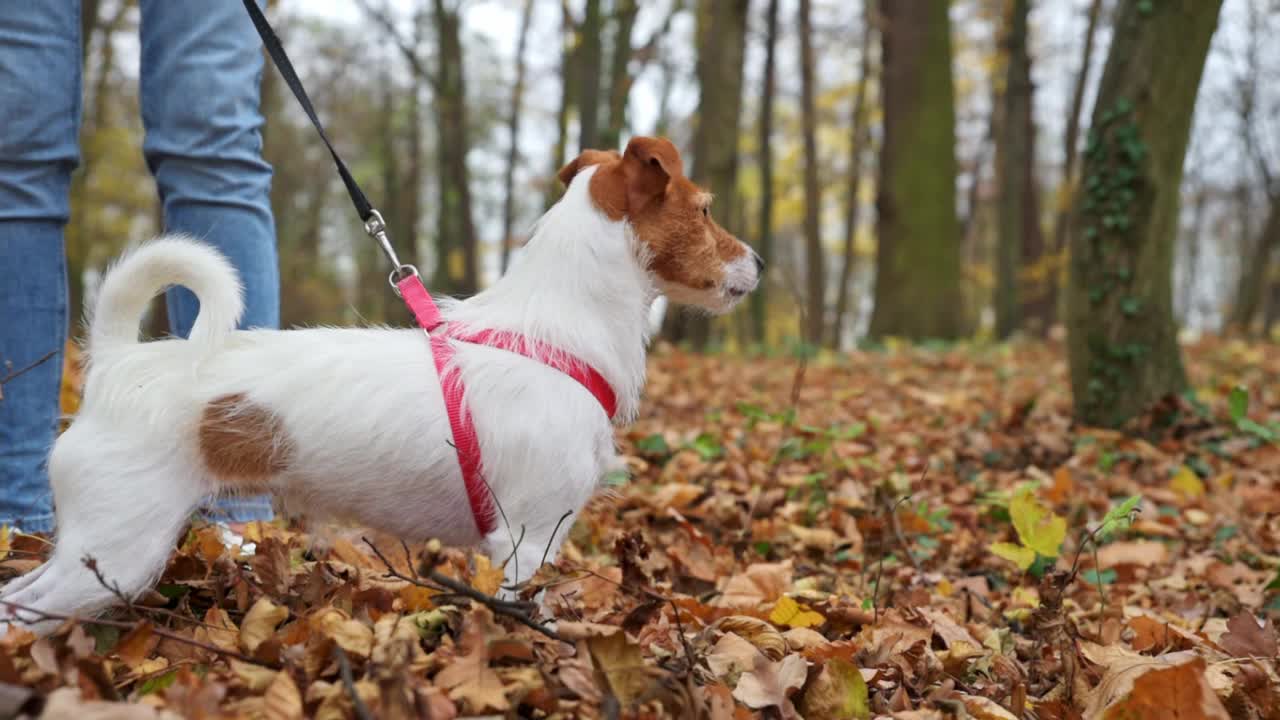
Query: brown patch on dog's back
{"points": [[242, 442]]}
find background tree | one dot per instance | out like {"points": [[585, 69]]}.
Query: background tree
{"points": [[721, 36], [815, 285], [764, 243], [917, 293], [1021, 293], [1123, 344], [1071, 153], [859, 138]]}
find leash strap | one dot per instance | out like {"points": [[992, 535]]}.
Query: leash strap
{"points": [[278, 56]]}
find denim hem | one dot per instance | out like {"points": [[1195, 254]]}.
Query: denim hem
{"points": [[238, 510]]}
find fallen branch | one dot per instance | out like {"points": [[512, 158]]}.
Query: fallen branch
{"points": [[344, 670], [438, 581]]}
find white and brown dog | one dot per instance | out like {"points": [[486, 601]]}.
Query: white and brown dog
{"points": [[350, 424]]}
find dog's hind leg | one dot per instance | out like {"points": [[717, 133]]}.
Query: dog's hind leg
{"points": [[118, 512]]}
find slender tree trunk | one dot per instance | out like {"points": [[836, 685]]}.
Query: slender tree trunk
{"points": [[513, 132], [858, 139], [1020, 289], [918, 264], [1249, 300], [1070, 144], [815, 271], [590, 63], [760, 299], [624, 20], [1123, 346], [1191, 266], [568, 77], [459, 269], [721, 30]]}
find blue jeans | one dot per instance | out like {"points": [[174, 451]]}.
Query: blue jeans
{"points": [[201, 70]]}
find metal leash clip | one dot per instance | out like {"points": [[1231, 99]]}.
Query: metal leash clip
{"points": [[377, 229]]}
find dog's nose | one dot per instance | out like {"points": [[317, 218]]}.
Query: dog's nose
{"points": [[759, 262]]}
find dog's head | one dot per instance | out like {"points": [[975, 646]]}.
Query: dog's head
{"points": [[695, 261]]}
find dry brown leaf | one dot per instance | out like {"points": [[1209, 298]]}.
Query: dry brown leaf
{"points": [[761, 583], [622, 665], [1246, 637], [769, 684], [351, 635], [730, 657], [282, 700], [260, 623]]}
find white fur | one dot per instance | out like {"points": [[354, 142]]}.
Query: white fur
{"points": [[362, 408]]}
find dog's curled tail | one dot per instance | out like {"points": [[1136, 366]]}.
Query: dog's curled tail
{"points": [[145, 271]]}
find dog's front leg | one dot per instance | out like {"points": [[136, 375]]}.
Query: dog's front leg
{"points": [[526, 547]]}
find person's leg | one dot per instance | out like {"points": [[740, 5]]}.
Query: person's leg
{"points": [[39, 122], [201, 77]]}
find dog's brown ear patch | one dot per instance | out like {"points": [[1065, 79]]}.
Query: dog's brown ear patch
{"points": [[242, 442]]}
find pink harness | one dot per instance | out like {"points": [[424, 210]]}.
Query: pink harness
{"points": [[464, 431]]}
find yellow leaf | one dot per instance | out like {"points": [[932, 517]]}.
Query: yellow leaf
{"points": [[1016, 554], [838, 692], [1038, 528], [790, 613], [282, 700], [487, 579], [6, 541], [260, 623], [1186, 483]]}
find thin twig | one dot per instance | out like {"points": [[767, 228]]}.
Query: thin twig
{"points": [[91, 563], [439, 581], [897, 531], [14, 375], [547, 550], [344, 670], [129, 626]]}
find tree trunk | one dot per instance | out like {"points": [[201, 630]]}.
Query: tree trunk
{"points": [[760, 299], [568, 76], [458, 268], [1123, 345], [721, 31], [624, 20], [917, 291], [513, 132], [590, 56], [858, 139], [1070, 143], [1253, 277], [815, 296], [1020, 273]]}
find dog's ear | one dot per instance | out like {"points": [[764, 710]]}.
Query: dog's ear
{"points": [[584, 161], [649, 164]]}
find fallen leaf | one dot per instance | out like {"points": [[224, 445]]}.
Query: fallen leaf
{"points": [[760, 583], [622, 664], [260, 623], [769, 684], [792, 614], [838, 692], [282, 700], [730, 657], [1143, 553], [1187, 483], [1245, 637]]}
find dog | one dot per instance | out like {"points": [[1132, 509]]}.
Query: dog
{"points": [[350, 424]]}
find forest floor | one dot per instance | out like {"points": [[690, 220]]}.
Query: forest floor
{"points": [[911, 533]]}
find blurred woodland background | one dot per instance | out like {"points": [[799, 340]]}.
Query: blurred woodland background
{"points": [[914, 169]]}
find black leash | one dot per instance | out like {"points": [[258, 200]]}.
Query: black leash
{"points": [[373, 222]]}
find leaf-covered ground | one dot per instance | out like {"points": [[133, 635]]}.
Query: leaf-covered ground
{"points": [[844, 541]]}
